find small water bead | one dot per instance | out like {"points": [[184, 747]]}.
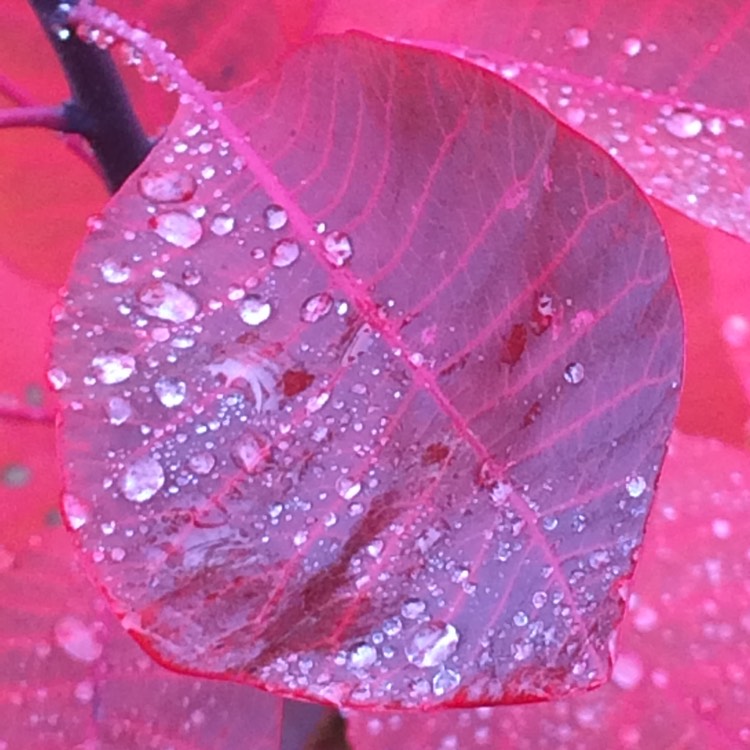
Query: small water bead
{"points": [[362, 656], [348, 488], [284, 253], [114, 271], [574, 373], [631, 46], [577, 37], [75, 510], [249, 453], [177, 228], [275, 217], [411, 609], [167, 301], [716, 125], [432, 644], [338, 248], [445, 681], [316, 307], [77, 639], [113, 367], [202, 463], [684, 124], [222, 225], [170, 391], [254, 310], [636, 486], [57, 378], [539, 599], [118, 410], [520, 619], [627, 671], [142, 479], [168, 186]]}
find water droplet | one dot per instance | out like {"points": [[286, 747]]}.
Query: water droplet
{"points": [[316, 307], [577, 37], [202, 463], [167, 301], [275, 217], [254, 310], [113, 367], [635, 485], [170, 391], [631, 46], [411, 609], [575, 116], [716, 125], [57, 378], [539, 599], [167, 187], [627, 671], [222, 225], [114, 271], [284, 253], [142, 479], [362, 655], [348, 488], [445, 681], [736, 331], [76, 512], [249, 453], [338, 248], [178, 228], [77, 639], [684, 124], [520, 619], [574, 373], [118, 410], [432, 644], [721, 528]]}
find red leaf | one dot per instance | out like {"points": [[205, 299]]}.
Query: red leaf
{"points": [[681, 677], [663, 87], [302, 542]]}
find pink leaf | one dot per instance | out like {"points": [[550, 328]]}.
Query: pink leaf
{"points": [[663, 87], [298, 389], [680, 680]]}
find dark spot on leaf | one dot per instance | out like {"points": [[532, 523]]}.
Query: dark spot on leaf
{"points": [[296, 381], [531, 415], [513, 345], [435, 453], [15, 475]]}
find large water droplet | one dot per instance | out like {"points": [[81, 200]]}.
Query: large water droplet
{"points": [[574, 373], [167, 301], [316, 307], [118, 410], [338, 248], [202, 463], [142, 479], [577, 37], [57, 378], [170, 391], [631, 46], [275, 217], [168, 186], [254, 310], [114, 271], [178, 228], [635, 486], [222, 225], [284, 253], [249, 453], [684, 124], [76, 511], [363, 655], [113, 367], [347, 488], [432, 644], [77, 639]]}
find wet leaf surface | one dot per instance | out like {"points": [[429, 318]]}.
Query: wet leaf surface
{"points": [[680, 680], [334, 464]]}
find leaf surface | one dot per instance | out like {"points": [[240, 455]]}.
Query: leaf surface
{"points": [[664, 87], [372, 366], [680, 680]]}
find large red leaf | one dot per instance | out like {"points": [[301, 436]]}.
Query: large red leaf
{"points": [[394, 442], [664, 87], [681, 679]]}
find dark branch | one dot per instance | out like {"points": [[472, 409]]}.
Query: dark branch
{"points": [[100, 108]]}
